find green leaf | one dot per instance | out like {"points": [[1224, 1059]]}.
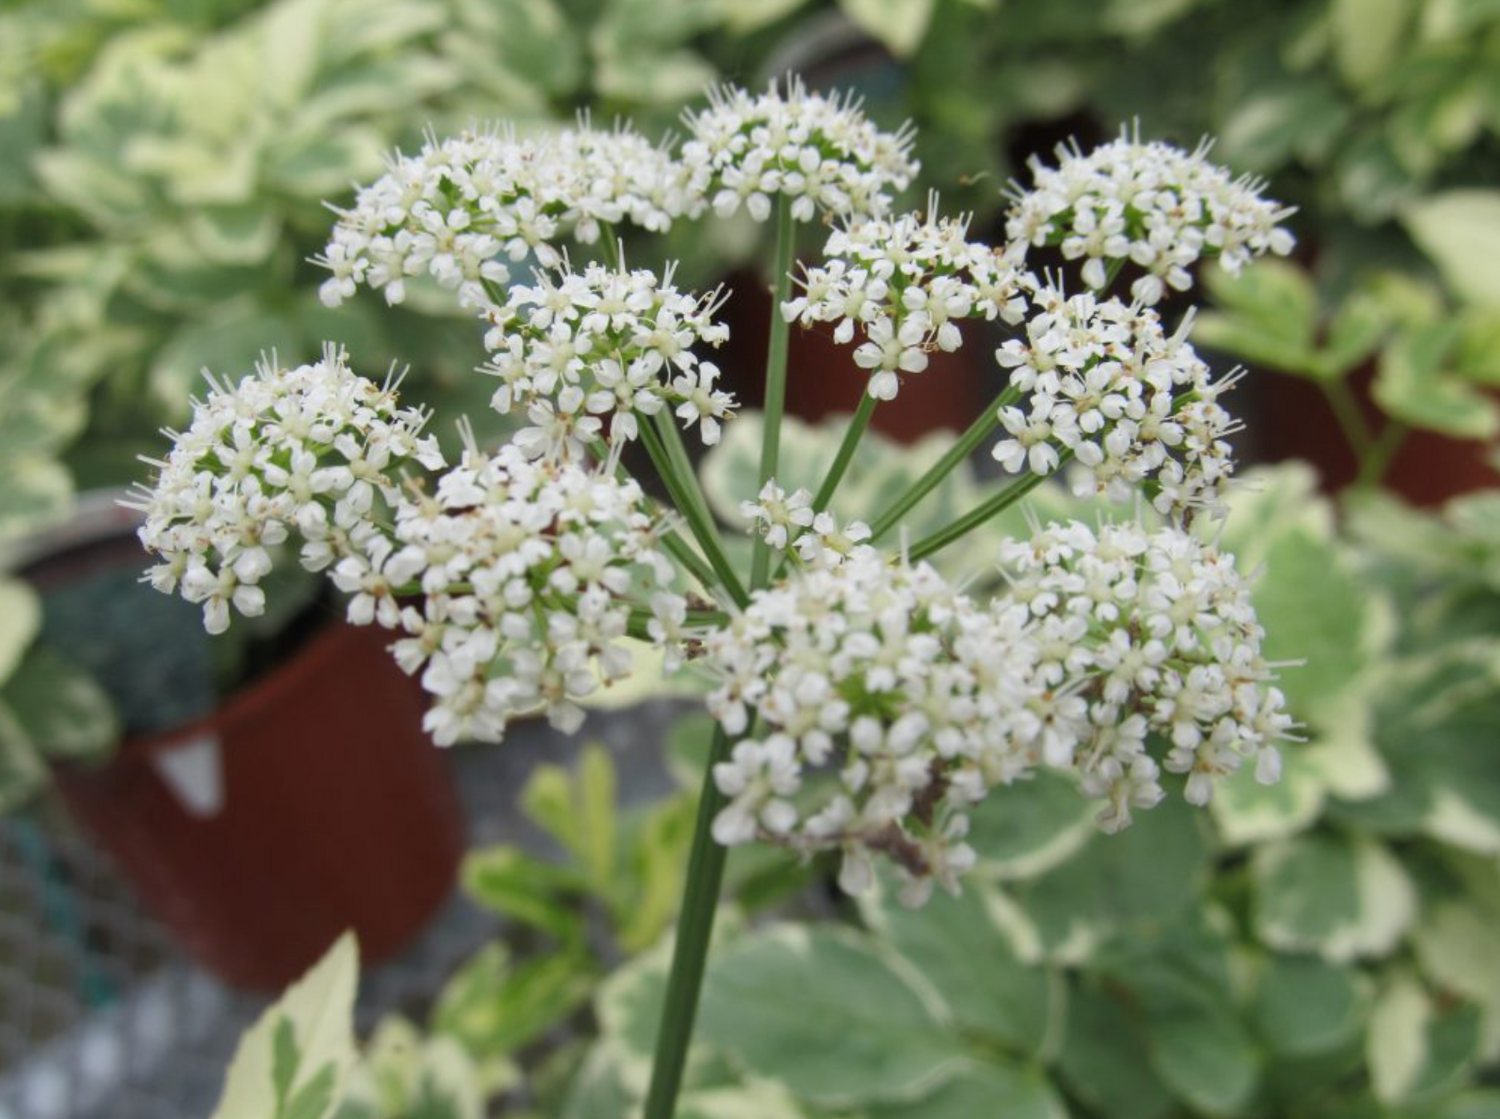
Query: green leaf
{"points": [[1249, 812], [859, 1034], [1205, 1058], [1006, 1001], [235, 234], [1413, 385], [22, 772], [1305, 1007], [1368, 36], [538, 893], [1416, 1046], [755, 1100], [1313, 607], [319, 1009], [1460, 231], [494, 1008], [1354, 332], [1478, 355], [899, 25], [1270, 316], [653, 79], [1283, 118], [1104, 1059], [38, 491], [1131, 884], [1024, 829], [406, 1075], [578, 810], [984, 1089], [1179, 978], [1457, 948], [742, 16], [60, 706], [645, 902], [688, 745], [315, 1098], [1343, 898], [284, 1059], [20, 618]]}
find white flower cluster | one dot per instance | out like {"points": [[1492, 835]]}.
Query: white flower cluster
{"points": [[1155, 205], [459, 205], [790, 523], [603, 344], [905, 284], [1103, 382], [284, 451], [1152, 634], [821, 152], [523, 569], [917, 700]]}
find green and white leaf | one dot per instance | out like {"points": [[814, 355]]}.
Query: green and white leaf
{"points": [[899, 25], [1414, 384], [1013, 1004], [1305, 1007], [976, 1089], [1457, 947], [1249, 812], [1343, 898], [20, 618], [1415, 1045], [860, 1034], [60, 707], [310, 1029], [1025, 829], [1460, 231]]}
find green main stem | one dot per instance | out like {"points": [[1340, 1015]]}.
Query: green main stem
{"points": [[840, 464], [775, 400], [695, 926], [699, 524], [705, 874]]}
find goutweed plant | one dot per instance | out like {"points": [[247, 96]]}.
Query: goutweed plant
{"points": [[863, 702]]}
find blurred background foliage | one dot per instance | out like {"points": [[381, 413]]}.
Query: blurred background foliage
{"points": [[167, 164]]}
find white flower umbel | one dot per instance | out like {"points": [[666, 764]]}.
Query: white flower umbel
{"points": [[1104, 382], [577, 350], [283, 452], [460, 206], [821, 152], [905, 284], [914, 701], [524, 572], [1156, 633], [1152, 204]]}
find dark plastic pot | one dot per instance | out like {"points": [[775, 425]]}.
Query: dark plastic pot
{"points": [[310, 802]]}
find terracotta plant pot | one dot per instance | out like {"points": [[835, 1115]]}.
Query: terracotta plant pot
{"points": [[310, 802]]}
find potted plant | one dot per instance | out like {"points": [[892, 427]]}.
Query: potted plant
{"points": [[239, 813]]}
